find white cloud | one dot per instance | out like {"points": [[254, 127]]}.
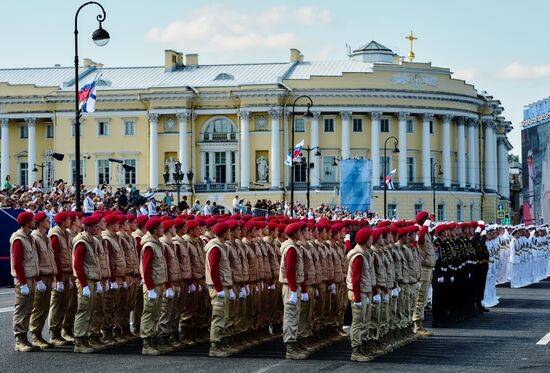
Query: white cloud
{"points": [[519, 71], [220, 29], [467, 74]]}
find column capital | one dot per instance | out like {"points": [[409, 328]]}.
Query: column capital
{"points": [[153, 117], [4, 122], [375, 115], [316, 114], [31, 122], [472, 123], [275, 113], [447, 117], [244, 114], [403, 115], [183, 115], [489, 123], [345, 114], [428, 116], [461, 120]]}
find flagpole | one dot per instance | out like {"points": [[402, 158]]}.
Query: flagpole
{"points": [[395, 150]]}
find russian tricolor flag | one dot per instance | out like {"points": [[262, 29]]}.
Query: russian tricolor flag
{"points": [[389, 179], [87, 97], [295, 153]]}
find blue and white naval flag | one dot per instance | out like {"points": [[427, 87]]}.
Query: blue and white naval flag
{"points": [[87, 96], [295, 153], [389, 179]]}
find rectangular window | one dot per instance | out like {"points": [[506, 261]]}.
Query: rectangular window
{"points": [[411, 169], [23, 131], [233, 167], [23, 173], [384, 125], [417, 208], [219, 162], [459, 212], [103, 171], [441, 212], [432, 127], [300, 170], [299, 126], [357, 125], [129, 128], [410, 126], [329, 170], [392, 210], [49, 131], [72, 175], [329, 124], [102, 128], [130, 172]]}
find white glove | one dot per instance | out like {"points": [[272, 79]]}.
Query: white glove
{"points": [[71, 284], [107, 285], [367, 301], [151, 294], [247, 290], [169, 294], [386, 298], [124, 285], [394, 293], [271, 287], [99, 288], [40, 286], [231, 294], [376, 299], [398, 290], [358, 304], [200, 288], [60, 287], [25, 290], [114, 285], [86, 292], [452, 278], [304, 297], [316, 293], [192, 288], [348, 238], [257, 288], [440, 280], [242, 293], [418, 285], [332, 287], [293, 298], [221, 294]]}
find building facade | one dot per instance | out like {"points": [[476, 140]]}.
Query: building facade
{"points": [[231, 126]]}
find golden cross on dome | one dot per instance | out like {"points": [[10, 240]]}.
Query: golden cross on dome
{"points": [[411, 38]]}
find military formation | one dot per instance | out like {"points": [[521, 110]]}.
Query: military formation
{"points": [[238, 281]]}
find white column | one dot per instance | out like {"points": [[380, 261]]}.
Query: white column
{"points": [[489, 161], [375, 147], [286, 145], [346, 148], [446, 151], [183, 117], [402, 165], [275, 169], [227, 167], [5, 162], [477, 164], [472, 161], [204, 171], [314, 143], [245, 150], [212, 166], [461, 153], [494, 157], [31, 149], [503, 168], [426, 147], [153, 151]]}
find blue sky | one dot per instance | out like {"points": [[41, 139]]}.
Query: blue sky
{"points": [[499, 46]]}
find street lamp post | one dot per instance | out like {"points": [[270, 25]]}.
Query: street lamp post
{"points": [[309, 165], [395, 150], [307, 114], [100, 38], [35, 169], [190, 179], [178, 178], [433, 186]]}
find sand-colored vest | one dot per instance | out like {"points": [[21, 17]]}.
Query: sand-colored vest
{"points": [[91, 261], [235, 262], [130, 254], [182, 250], [252, 260], [273, 258], [65, 251], [341, 249], [314, 250], [366, 279], [299, 262], [244, 260], [103, 257], [323, 260], [338, 273], [379, 268], [258, 251], [427, 252], [417, 264], [309, 266], [159, 269], [46, 257], [172, 262], [330, 260], [225, 270], [30, 256], [390, 270], [116, 256], [195, 254], [398, 262]]}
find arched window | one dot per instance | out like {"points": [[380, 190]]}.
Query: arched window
{"points": [[219, 129], [224, 76]]}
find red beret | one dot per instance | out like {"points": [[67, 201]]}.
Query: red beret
{"points": [[107, 212], [79, 214], [111, 219], [421, 217], [363, 235], [165, 217], [90, 220], [272, 225], [292, 228], [232, 224], [142, 220], [60, 217], [220, 228], [191, 224], [24, 218], [451, 226], [336, 228], [167, 224], [72, 215], [473, 224], [209, 222], [440, 228], [40, 217], [248, 226], [131, 217], [463, 225], [383, 224], [246, 217], [394, 230], [152, 224], [122, 219], [178, 223], [281, 227], [414, 229], [99, 213], [118, 212], [311, 226], [384, 231], [376, 234], [402, 232], [260, 224]]}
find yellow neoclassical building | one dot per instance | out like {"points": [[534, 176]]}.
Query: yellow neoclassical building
{"points": [[230, 125]]}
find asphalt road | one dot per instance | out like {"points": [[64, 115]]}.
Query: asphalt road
{"points": [[503, 340]]}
